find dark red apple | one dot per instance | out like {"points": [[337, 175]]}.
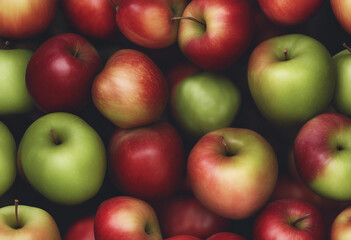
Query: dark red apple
{"points": [[183, 237], [225, 236], [83, 229]]}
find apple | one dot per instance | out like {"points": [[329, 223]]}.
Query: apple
{"points": [[131, 90], [183, 237], [64, 84], [321, 152], [186, 215], [225, 236], [289, 219], [93, 18], [147, 162], [7, 159], [126, 217], [14, 96], [63, 158], [341, 227], [215, 34], [341, 11], [291, 78], [18, 222], [232, 171], [82, 229], [204, 102], [178, 72], [149, 23], [25, 18]]}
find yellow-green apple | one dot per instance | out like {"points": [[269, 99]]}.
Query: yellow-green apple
{"points": [[215, 34], [185, 215], [126, 217], [203, 102], [226, 168], [131, 91], [82, 229], [149, 23], [341, 227], [147, 162], [25, 18], [93, 18], [61, 71], [289, 220], [341, 9], [7, 159], [183, 237], [225, 236], [291, 78], [18, 222], [14, 96], [63, 158], [321, 151]]}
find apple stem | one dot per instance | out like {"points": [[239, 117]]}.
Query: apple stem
{"points": [[347, 47], [16, 212], [299, 220], [54, 136], [76, 52], [285, 54], [188, 18], [227, 150]]}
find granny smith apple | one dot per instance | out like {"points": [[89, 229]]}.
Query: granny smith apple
{"points": [[291, 78], [204, 102], [63, 158], [14, 97], [7, 159]]}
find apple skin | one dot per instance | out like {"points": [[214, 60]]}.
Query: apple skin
{"points": [[227, 35], [64, 84], [148, 22], [178, 72], [203, 102], [91, 18], [131, 91], [14, 96], [83, 229], [321, 155], [276, 220], [69, 172], [7, 159], [35, 224], [341, 10], [289, 12], [341, 227], [126, 218], [226, 168], [183, 237], [309, 70], [225, 236], [21, 19]]}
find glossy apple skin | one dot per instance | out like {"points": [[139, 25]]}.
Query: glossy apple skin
{"points": [[148, 22], [274, 81], [228, 180], [147, 162], [83, 229], [14, 96], [341, 10], [225, 236], [183, 237], [36, 223], [186, 215], [131, 91], [289, 12], [93, 18], [275, 222], [25, 18], [126, 218], [69, 172], [322, 158], [64, 84], [341, 227], [227, 35]]}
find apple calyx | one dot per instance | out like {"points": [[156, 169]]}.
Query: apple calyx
{"points": [[188, 18], [294, 223], [16, 214], [285, 55], [54, 137], [347, 47]]}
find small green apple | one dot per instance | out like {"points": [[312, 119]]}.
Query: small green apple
{"points": [[63, 158]]}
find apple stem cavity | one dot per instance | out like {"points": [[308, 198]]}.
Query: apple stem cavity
{"points": [[299, 220], [16, 213], [56, 141], [228, 153], [76, 52], [188, 18], [285, 54], [347, 47]]}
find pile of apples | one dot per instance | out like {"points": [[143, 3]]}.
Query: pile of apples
{"points": [[175, 119]]}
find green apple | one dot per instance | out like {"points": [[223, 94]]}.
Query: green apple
{"points": [[7, 159], [14, 97], [204, 102], [63, 158], [291, 78]]}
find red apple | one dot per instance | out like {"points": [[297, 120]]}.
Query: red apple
{"points": [[25, 18], [147, 162], [183, 237], [126, 218], [61, 71], [221, 34], [289, 220], [149, 22], [83, 229], [232, 171], [225, 236], [131, 91], [341, 228], [93, 18], [341, 10]]}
